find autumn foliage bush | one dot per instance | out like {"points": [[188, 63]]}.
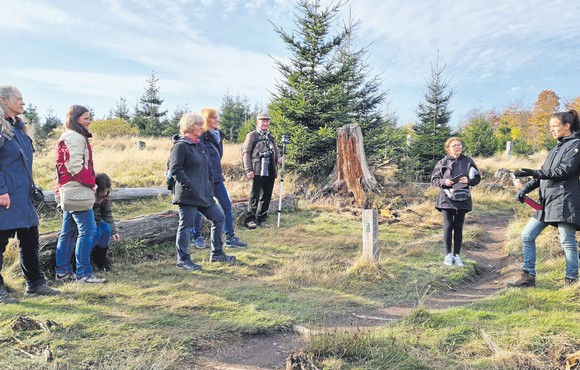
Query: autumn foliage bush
{"points": [[112, 128]]}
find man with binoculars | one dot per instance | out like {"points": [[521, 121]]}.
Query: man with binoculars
{"points": [[260, 156]]}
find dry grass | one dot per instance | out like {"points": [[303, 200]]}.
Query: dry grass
{"points": [[130, 167], [491, 164]]}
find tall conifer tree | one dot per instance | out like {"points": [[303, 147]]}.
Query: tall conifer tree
{"points": [[324, 86], [433, 129], [148, 113]]}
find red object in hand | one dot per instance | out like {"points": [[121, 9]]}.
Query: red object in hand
{"points": [[532, 203]]}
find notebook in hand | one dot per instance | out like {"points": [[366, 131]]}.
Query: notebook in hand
{"points": [[532, 203]]}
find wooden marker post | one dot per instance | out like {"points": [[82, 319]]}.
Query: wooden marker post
{"points": [[370, 223]]}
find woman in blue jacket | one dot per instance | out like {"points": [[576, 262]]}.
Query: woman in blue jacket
{"points": [[17, 214]]}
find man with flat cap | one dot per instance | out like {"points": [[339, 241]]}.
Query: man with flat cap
{"points": [[260, 156]]}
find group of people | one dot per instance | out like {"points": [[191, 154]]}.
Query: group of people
{"points": [[199, 189], [559, 197], [195, 165], [83, 195]]}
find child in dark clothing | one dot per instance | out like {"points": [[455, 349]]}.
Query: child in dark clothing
{"points": [[106, 228]]}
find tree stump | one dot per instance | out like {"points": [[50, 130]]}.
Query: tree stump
{"points": [[140, 145], [351, 176]]}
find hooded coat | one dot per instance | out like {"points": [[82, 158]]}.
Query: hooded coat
{"points": [[559, 184], [448, 168], [190, 166], [15, 181]]}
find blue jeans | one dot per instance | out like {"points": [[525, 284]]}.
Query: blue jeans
{"points": [[102, 236], [186, 216], [221, 195], [567, 233], [84, 222]]}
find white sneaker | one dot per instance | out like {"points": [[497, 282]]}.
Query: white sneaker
{"points": [[457, 261], [92, 279], [448, 260]]}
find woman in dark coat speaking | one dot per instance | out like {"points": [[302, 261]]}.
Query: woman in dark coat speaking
{"points": [[559, 198]]}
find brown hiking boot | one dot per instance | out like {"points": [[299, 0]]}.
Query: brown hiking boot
{"points": [[525, 280]]}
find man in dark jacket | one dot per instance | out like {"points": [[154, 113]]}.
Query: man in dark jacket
{"points": [[193, 191], [260, 156]]}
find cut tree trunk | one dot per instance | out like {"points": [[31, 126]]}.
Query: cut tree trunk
{"points": [[351, 176], [153, 229], [121, 194]]}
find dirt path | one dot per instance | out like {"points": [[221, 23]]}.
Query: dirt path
{"points": [[270, 352]]}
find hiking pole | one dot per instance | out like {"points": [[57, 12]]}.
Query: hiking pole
{"points": [[285, 140]]}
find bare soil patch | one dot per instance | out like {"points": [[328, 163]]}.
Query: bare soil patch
{"points": [[270, 352]]}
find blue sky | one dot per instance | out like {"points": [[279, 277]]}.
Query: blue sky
{"points": [[496, 52]]}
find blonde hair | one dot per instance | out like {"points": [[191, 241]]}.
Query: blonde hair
{"points": [[206, 113], [188, 120], [449, 141]]}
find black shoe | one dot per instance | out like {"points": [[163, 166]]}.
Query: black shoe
{"points": [[5, 297], [188, 265], [570, 282], [525, 280], [234, 242], [100, 259], [222, 258], [41, 290], [251, 225]]}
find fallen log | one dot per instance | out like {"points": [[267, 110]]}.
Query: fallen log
{"points": [[121, 194], [152, 229]]}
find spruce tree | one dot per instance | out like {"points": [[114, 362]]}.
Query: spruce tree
{"points": [[433, 129], [148, 114], [121, 110], [234, 111], [478, 136], [323, 87]]}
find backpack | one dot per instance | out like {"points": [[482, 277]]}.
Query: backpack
{"points": [[169, 180]]}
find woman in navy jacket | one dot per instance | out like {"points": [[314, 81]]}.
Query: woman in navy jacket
{"points": [[17, 214]]}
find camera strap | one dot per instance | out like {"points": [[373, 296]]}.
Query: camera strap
{"points": [[25, 162]]}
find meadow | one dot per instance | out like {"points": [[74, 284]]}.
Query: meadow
{"points": [[151, 315]]}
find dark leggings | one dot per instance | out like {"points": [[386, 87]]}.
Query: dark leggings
{"points": [[453, 228]]}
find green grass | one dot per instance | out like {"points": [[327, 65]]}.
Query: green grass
{"points": [[151, 315]]}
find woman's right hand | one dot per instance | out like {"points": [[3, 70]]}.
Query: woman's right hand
{"points": [[5, 200], [251, 174], [448, 182]]}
